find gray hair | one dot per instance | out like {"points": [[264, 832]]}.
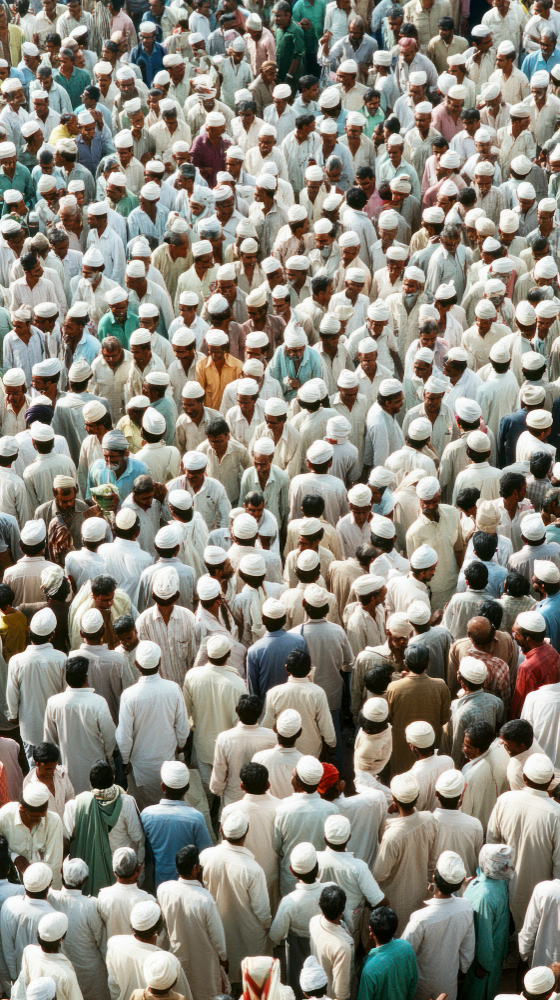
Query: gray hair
{"points": [[125, 862], [451, 231], [360, 21], [333, 163], [549, 33], [427, 326]]}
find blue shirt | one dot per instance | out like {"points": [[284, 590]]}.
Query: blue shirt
{"points": [[282, 365], [534, 61], [88, 347], [496, 578], [389, 973], [150, 64], [550, 610], [510, 430], [266, 660], [169, 826], [99, 474]]}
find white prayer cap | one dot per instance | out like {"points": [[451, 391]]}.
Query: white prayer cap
{"points": [[289, 722], [388, 220], [405, 788], [467, 409], [393, 253], [433, 214], [275, 407], [521, 165], [165, 583], [368, 584], [93, 412], [449, 189], [267, 182], [315, 596], [92, 621], [308, 393], [547, 205], [80, 370], [490, 245], [184, 337], [34, 532], [235, 825], [153, 421], [245, 526], [34, 793], [375, 710], [426, 355], [359, 495], [137, 403], [8, 446], [219, 645], [43, 988], [207, 588], [401, 184], [526, 191], [539, 979], [485, 226], [194, 461], [545, 268], [414, 273], [484, 309], [161, 970], [382, 58], [506, 48], [123, 139], [303, 860], [520, 111], [427, 488], [38, 876], [478, 441], [419, 429], [253, 565], [253, 367], [337, 829], [174, 774], [533, 394], [509, 221], [494, 286], [273, 608], [457, 92], [94, 529], [45, 182], [147, 654], [145, 915], [309, 526], [126, 518], [74, 871], [168, 537], [484, 169], [93, 257], [264, 446], [294, 336], [397, 624], [548, 309], [531, 621], [451, 868], [473, 670], [538, 768], [367, 346], [382, 527], [308, 560], [546, 571], [539, 420], [349, 239], [395, 140], [270, 265], [489, 92], [308, 769], [540, 79], [424, 556], [347, 379], [191, 390], [314, 173], [319, 453], [330, 98], [420, 734], [532, 360], [389, 386], [115, 295], [450, 784], [53, 926], [418, 613]]}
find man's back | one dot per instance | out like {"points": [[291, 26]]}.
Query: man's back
{"points": [[33, 676], [266, 659], [18, 927], [195, 931], [211, 695], [79, 722], [168, 826], [301, 817], [389, 971], [115, 904], [330, 654], [413, 698]]}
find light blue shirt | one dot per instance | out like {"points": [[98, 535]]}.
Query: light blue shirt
{"points": [[99, 474], [282, 366], [169, 826], [496, 578]]}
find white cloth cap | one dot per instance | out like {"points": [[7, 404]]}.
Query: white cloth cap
{"points": [[207, 588], [308, 769], [43, 988], [161, 970], [147, 654], [546, 571], [92, 621], [34, 532], [427, 488], [174, 774], [405, 788], [451, 868], [418, 613], [273, 609], [218, 646], [289, 722], [315, 596], [450, 784], [337, 829], [539, 979], [53, 926], [235, 825], [531, 621], [419, 429], [303, 860], [38, 876], [383, 527], [538, 420], [245, 526], [165, 583], [538, 768], [478, 441], [375, 709], [368, 584], [308, 560], [473, 670], [145, 915], [424, 556], [420, 734]]}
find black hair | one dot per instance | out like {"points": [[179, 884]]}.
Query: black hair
{"points": [[123, 624], [7, 596], [517, 731], [249, 709], [332, 901], [101, 775], [303, 120], [476, 575], [28, 261], [510, 482], [466, 499], [480, 733], [383, 922], [378, 678], [307, 82], [320, 283], [485, 545], [492, 610], [356, 198], [216, 427], [103, 585], [46, 753], [298, 663], [76, 671], [312, 505], [417, 657], [517, 585], [254, 778], [539, 463], [185, 859]]}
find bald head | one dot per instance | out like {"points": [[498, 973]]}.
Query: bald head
{"points": [[480, 631]]}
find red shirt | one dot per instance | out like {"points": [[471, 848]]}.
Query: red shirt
{"points": [[541, 666]]}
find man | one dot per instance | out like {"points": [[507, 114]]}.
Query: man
{"points": [[266, 658], [438, 525], [542, 661], [172, 822], [32, 831], [116, 466], [415, 697], [290, 45], [300, 817], [390, 964], [332, 944], [22, 914], [146, 745]]}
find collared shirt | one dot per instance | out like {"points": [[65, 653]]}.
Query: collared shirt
{"points": [[168, 826], [541, 666], [290, 45], [266, 660], [214, 381], [149, 64], [177, 639], [74, 85], [108, 327], [99, 474]]}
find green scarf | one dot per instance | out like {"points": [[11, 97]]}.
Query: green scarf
{"points": [[95, 818]]}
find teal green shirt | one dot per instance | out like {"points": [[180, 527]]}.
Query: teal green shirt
{"points": [[489, 898], [74, 87], [290, 45], [108, 327], [316, 14], [21, 181], [389, 972], [371, 121], [168, 409], [127, 203]]}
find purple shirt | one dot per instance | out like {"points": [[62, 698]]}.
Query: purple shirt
{"points": [[206, 156]]}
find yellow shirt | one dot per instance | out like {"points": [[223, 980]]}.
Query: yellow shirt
{"points": [[214, 381]]}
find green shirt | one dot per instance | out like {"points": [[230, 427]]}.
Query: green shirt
{"points": [[74, 87], [127, 203], [290, 45], [21, 181], [316, 14], [108, 327], [371, 122], [389, 971]]}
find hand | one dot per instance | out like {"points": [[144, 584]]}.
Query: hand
{"points": [[93, 511], [436, 617], [98, 118], [477, 57], [294, 383], [160, 492], [22, 864], [36, 39]]}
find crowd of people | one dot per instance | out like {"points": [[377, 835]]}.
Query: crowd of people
{"points": [[279, 499]]}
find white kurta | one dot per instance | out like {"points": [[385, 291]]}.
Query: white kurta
{"points": [[529, 822], [42, 843], [334, 950], [36, 963], [84, 943], [115, 904], [33, 676], [542, 709], [211, 695], [539, 938], [406, 854], [260, 811], [442, 935], [460, 833], [234, 748], [196, 934], [427, 771], [354, 876], [280, 763], [311, 702], [238, 884], [18, 928], [301, 817], [126, 957], [79, 722]]}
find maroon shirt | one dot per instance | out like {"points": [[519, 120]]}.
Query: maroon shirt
{"points": [[205, 156]]}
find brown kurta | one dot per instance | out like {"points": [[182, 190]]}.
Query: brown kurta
{"points": [[415, 698]]}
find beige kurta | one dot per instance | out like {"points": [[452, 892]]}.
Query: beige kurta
{"points": [[310, 701], [260, 811], [211, 695], [126, 957], [406, 854], [234, 748], [115, 904], [529, 822], [36, 963], [196, 934], [460, 833], [238, 884], [446, 538], [333, 948]]}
